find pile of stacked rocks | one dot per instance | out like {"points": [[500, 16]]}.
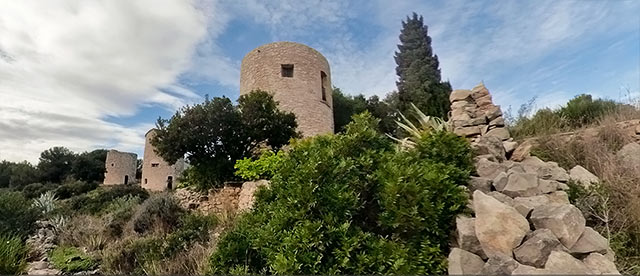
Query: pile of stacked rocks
{"points": [[523, 221], [474, 115], [228, 199]]}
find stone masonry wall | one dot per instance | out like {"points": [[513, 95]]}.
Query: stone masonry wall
{"points": [[523, 222], [155, 171], [120, 165], [300, 94], [226, 200]]}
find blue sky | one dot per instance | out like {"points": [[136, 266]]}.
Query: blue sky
{"points": [[89, 74]]}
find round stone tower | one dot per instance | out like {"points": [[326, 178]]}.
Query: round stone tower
{"points": [[299, 79]]}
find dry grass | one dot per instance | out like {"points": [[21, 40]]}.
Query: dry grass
{"points": [[613, 207], [85, 232]]}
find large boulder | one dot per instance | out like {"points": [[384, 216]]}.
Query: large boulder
{"points": [[630, 155], [521, 184], [560, 262], [600, 264], [499, 265], [489, 145], [564, 220], [489, 169], [536, 248], [466, 236], [582, 176], [499, 227], [590, 241], [462, 262]]}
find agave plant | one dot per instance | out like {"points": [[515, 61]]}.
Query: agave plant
{"points": [[426, 124], [46, 202], [58, 222]]}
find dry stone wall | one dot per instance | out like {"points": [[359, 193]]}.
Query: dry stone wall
{"points": [[229, 199], [523, 222]]}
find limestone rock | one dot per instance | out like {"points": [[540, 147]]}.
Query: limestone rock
{"points": [[551, 171], [499, 227], [563, 187], [484, 102], [630, 155], [499, 265], [525, 205], [600, 264], [459, 95], [528, 270], [500, 181], [638, 130], [590, 241], [502, 198], [246, 197], [522, 151], [479, 91], [462, 262], [489, 145], [537, 247], [493, 113], [547, 186], [521, 184], [563, 263], [497, 122], [559, 197], [583, 176], [500, 132], [531, 164], [564, 220], [46, 271], [466, 236], [488, 169], [480, 183], [467, 131], [509, 146]]}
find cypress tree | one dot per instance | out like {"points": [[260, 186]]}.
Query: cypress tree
{"points": [[418, 71]]}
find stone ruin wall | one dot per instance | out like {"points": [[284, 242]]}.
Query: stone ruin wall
{"points": [[300, 94], [120, 167], [230, 199], [155, 171], [523, 222]]}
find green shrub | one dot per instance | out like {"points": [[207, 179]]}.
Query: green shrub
{"points": [[583, 110], [34, 190], [97, 200], [119, 212], [158, 211], [74, 188], [13, 255], [71, 259], [17, 214], [262, 168], [351, 204]]}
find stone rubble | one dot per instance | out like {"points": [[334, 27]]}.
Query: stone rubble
{"points": [[523, 222]]}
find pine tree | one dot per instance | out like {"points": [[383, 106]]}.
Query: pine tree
{"points": [[418, 71]]}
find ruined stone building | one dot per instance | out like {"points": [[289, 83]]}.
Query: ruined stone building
{"points": [[299, 79], [120, 168], [157, 174]]}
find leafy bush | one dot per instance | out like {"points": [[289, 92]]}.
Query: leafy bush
{"points": [[162, 211], [16, 214], [74, 188], [84, 231], [262, 168], [351, 204], [13, 255], [71, 259], [583, 110], [34, 190], [98, 200], [119, 212]]}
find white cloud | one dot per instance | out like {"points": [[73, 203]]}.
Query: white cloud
{"points": [[68, 64]]}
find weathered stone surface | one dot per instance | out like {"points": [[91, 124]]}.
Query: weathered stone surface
{"points": [[479, 91], [509, 146], [547, 186], [563, 263], [583, 176], [489, 145], [499, 265], [467, 131], [590, 241], [558, 173], [521, 184], [500, 132], [466, 236], [484, 102], [525, 205], [500, 181], [246, 196], [46, 271], [460, 105], [499, 122], [537, 247], [493, 112], [630, 155], [462, 262], [528, 270], [599, 264], [499, 227], [564, 220], [558, 197], [459, 95], [488, 169], [522, 151], [563, 187], [502, 198], [480, 183], [638, 130], [531, 164]]}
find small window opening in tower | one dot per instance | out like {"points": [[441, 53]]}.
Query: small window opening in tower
{"points": [[112, 164], [287, 70], [155, 164], [323, 81]]}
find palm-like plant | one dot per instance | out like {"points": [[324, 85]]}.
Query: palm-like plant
{"points": [[46, 202], [426, 124]]}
